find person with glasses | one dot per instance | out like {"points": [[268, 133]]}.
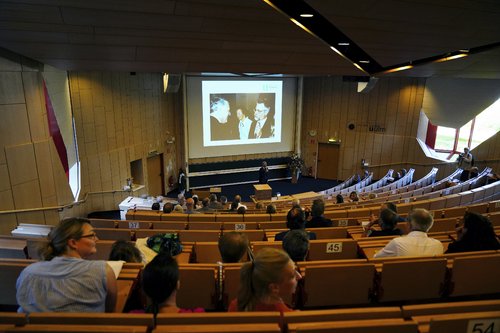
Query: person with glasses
{"points": [[263, 126], [64, 281]]}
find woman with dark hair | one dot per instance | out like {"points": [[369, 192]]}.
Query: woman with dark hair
{"points": [[160, 282], [265, 281], [64, 281], [476, 234], [126, 251], [340, 198]]}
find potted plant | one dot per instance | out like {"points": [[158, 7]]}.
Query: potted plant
{"points": [[295, 165]]}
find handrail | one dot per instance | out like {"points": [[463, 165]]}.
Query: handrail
{"points": [[70, 205]]}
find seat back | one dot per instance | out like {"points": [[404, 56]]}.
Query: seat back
{"points": [[327, 249], [475, 275], [412, 280], [198, 287], [350, 284]]}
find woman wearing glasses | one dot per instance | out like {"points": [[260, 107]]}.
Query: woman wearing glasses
{"points": [[64, 281]]}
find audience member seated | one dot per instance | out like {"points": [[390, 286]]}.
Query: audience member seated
{"points": [[473, 173], [295, 219], [372, 196], [64, 281], [237, 199], [223, 201], [265, 281], [126, 251], [241, 210], [168, 207], [196, 200], [182, 201], [296, 244], [339, 198], [476, 234], [233, 207], [271, 209], [155, 206], [318, 220], [178, 209], [205, 206], [160, 282], [233, 247], [416, 243], [259, 205], [190, 207], [353, 197], [387, 222], [392, 206], [214, 204]]}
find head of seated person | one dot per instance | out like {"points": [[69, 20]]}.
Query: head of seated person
{"points": [[178, 209], [388, 219], [155, 206], [476, 234], [295, 219], [168, 207], [296, 244], [271, 209], [126, 251], [233, 246], [318, 207], [266, 281], [234, 206], [241, 210], [354, 196], [259, 205], [160, 282], [420, 220], [339, 198]]}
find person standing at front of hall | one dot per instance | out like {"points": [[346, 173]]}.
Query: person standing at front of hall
{"points": [[182, 181], [263, 173]]}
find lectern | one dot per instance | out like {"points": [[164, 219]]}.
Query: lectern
{"points": [[263, 192]]}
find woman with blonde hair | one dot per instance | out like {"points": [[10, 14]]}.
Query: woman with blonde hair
{"points": [[265, 282], [64, 281]]}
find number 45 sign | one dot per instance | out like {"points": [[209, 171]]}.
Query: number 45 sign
{"points": [[333, 247], [487, 325]]}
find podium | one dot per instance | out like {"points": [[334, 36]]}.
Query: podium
{"points": [[263, 192]]}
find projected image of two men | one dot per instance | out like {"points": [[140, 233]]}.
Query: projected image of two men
{"points": [[242, 118]]}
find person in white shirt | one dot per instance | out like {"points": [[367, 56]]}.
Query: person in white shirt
{"points": [[244, 124], [416, 243]]}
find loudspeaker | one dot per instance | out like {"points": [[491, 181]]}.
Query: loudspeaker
{"points": [[171, 82], [365, 87]]}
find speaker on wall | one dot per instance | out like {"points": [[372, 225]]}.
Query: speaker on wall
{"points": [[364, 87], [171, 82]]}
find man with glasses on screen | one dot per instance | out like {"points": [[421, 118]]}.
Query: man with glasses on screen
{"points": [[263, 126]]}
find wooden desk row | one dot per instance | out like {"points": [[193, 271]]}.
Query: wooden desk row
{"points": [[454, 317]]}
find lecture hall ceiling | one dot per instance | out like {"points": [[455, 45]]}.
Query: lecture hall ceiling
{"points": [[250, 36]]}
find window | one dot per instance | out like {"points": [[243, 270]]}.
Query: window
{"points": [[445, 142]]}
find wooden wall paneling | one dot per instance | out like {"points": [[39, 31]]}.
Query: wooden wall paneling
{"points": [[116, 181], [4, 178], [64, 194], [106, 172], [35, 105], [37, 217], [101, 139], [51, 217], [124, 164], [27, 195], [14, 127], [109, 201], [8, 222], [94, 173], [45, 172], [21, 163], [6, 200], [11, 88]]}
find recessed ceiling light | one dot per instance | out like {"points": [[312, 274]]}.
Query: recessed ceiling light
{"points": [[343, 44], [306, 15], [364, 61]]}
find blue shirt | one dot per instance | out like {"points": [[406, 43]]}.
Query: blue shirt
{"points": [[63, 284]]}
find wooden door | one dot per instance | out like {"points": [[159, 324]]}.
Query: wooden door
{"points": [[328, 161], [156, 182]]}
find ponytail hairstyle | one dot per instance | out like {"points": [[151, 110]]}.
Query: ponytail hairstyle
{"points": [[69, 228], [255, 276], [159, 280]]}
